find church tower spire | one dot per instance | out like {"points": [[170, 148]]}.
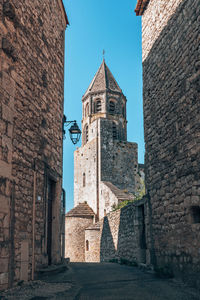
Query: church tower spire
{"points": [[104, 99], [106, 162]]}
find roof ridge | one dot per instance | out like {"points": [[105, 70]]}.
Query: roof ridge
{"points": [[82, 209], [105, 71], [107, 68], [92, 83], [120, 194], [103, 80]]}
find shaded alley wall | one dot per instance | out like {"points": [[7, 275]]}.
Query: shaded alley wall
{"points": [[170, 34], [31, 111]]}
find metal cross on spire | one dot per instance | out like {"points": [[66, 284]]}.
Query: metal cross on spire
{"points": [[103, 54]]}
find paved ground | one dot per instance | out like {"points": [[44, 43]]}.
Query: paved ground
{"points": [[83, 281]]}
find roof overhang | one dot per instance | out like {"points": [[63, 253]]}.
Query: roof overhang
{"points": [[63, 12], [75, 215], [141, 6]]}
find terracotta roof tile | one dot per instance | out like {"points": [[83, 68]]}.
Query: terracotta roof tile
{"points": [[141, 6], [81, 210], [63, 12]]}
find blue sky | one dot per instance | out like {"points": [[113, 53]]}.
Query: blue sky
{"points": [[96, 25]]}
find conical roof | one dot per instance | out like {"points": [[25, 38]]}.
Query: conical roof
{"points": [[81, 210], [103, 80]]}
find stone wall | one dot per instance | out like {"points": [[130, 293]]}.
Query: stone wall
{"points": [[122, 157], [6, 184], [120, 236], [170, 34], [107, 198], [154, 21], [85, 162], [124, 235], [75, 237], [92, 245], [31, 110]]}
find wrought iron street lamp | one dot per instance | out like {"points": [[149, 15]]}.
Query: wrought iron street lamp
{"points": [[74, 130]]}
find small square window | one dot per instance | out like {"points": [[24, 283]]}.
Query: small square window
{"points": [[195, 214]]}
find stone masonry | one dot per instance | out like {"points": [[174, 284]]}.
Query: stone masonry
{"points": [[76, 220], [92, 243], [120, 236], [171, 90], [31, 112]]}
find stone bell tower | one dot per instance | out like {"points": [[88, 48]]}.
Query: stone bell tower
{"points": [[106, 165]]}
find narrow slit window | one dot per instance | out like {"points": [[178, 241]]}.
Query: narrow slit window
{"points": [[114, 131], [111, 107], [98, 106], [86, 133], [195, 214], [87, 245], [83, 179], [87, 110], [123, 111]]}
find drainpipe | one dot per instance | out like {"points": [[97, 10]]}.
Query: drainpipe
{"points": [[33, 222]]}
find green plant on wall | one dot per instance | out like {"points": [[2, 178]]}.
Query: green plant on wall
{"points": [[141, 191], [138, 196], [121, 204]]}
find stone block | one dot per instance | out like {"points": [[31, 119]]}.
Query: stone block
{"points": [[3, 279], [4, 265], [8, 84], [4, 204]]}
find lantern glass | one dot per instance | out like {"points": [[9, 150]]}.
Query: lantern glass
{"points": [[75, 133]]}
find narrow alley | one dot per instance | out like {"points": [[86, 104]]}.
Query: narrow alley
{"points": [[91, 281]]}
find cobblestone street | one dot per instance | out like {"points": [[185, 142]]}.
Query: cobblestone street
{"points": [[92, 281]]}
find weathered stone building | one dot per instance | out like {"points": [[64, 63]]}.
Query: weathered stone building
{"points": [[77, 220], [31, 112], [106, 165], [171, 77], [120, 236]]}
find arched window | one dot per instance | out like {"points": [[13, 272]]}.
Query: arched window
{"points": [[111, 107], [114, 131], [87, 245], [98, 106], [83, 179], [87, 109], [86, 133]]}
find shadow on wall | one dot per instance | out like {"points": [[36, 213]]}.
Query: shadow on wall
{"points": [[107, 247], [172, 160], [123, 237]]}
